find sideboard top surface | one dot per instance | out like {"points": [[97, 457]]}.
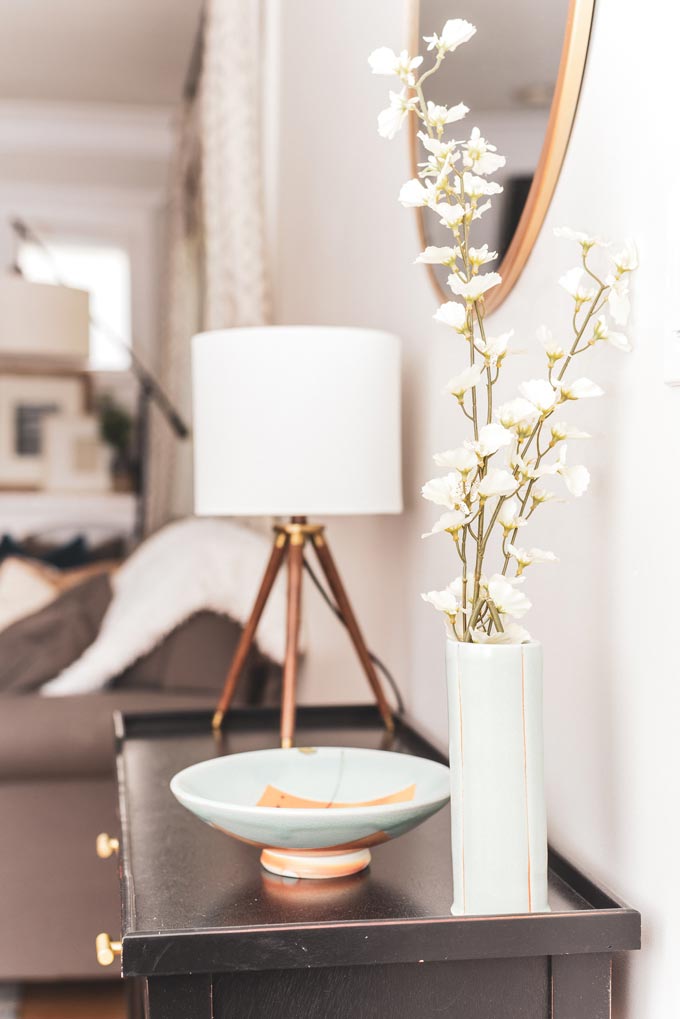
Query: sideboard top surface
{"points": [[195, 898]]}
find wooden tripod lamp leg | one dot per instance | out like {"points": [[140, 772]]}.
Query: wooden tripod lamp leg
{"points": [[248, 635], [329, 568], [295, 563]]}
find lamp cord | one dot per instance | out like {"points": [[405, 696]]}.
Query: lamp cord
{"points": [[338, 614]]}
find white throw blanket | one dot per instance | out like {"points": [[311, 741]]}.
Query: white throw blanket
{"points": [[186, 567]]}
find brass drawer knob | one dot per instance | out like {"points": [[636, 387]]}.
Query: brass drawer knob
{"points": [[107, 950], [106, 846]]}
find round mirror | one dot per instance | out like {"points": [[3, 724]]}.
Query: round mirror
{"points": [[520, 75]]}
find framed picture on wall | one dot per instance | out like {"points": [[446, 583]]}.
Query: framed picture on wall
{"points": [[27, 401], [75, 458]]}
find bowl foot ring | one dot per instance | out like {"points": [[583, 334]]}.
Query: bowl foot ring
{"points": [[289, 863]]}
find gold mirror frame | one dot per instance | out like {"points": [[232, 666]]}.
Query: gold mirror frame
{"points": [[560, 123]]}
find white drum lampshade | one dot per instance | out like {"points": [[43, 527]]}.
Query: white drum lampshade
{"points": [[296, 421], [41, 319]]}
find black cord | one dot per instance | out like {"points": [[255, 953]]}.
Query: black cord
{"points": [[374, 658]]}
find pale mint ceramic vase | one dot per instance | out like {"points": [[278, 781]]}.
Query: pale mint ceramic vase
{"points": [[498, 826]]}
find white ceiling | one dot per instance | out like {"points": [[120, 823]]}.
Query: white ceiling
{"points": [[134, 52], [518, 45]]}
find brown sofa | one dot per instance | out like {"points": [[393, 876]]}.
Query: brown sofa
{"points": [[57, 792]]}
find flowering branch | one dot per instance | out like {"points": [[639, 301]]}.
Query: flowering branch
{"points": [[481, 499]]}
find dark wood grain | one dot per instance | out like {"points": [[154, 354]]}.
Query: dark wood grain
{"points": [[290, 664]]}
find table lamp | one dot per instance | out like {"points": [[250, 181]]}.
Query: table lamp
{"points": [[297, 422]]}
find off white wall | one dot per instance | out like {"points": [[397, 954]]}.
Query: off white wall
{"points": [[607, 614]]}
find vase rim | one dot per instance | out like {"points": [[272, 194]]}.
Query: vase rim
{"points": [[496, 647]]}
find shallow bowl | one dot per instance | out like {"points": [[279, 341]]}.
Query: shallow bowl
{"points": [[314, 811]]}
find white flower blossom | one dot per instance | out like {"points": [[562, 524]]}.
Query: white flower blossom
{"points": [[509, 516], [527, 557], [480, 156], [475, 288], [455, 32], [415, 194], [450, 215], [433, 255], [540, 495], [391, 120], [452, 314], [618, 299], [447, 492], [552, 348], [492, 438], [386, 62], [461, 459], [479, 256], [443, 601], [560, 430], [585, 240], [573, 283], [494, 348], [440, 149], [465, 380], [576, 478], [626, 260], [451, 521], [438, 116], [479, 211], [579, 389], [519, 414], [496, 482], [507, 599], [478, 187], [540, 393], [602, 331]]}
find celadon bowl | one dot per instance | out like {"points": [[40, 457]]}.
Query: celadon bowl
{"points": [[314, 811]]}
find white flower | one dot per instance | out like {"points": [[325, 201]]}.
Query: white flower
{"points": [[541, 495], [626, 260], [476, 187], [447, 492], [519, 414], [455, 32], [475, 288], [603, 332], [572, 282], [509, 516], [443, 601], [585, 240], [618, 300], [496, 482], [465, 380], [523, 469], [461, 459], [478, 256], [438, 116], [540, 393], [550, 345], [576, 479], [480, 210], [391, 120], [433, 255], [494, 348], [452, 521], [451, 215], [385, 61], [512, 634], [491, 439], [480, 155], [414, 194], [507, 599], [439, 148], [579, 389], [560, 430], [452, 314], [527, 557]]}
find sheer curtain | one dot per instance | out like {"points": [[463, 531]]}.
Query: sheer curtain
{"points": [[217, 265]]}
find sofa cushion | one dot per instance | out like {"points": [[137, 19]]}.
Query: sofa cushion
{"points": [[72, 737]]}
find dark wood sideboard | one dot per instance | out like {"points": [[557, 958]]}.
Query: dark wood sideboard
{"points": [[208, 934]]}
